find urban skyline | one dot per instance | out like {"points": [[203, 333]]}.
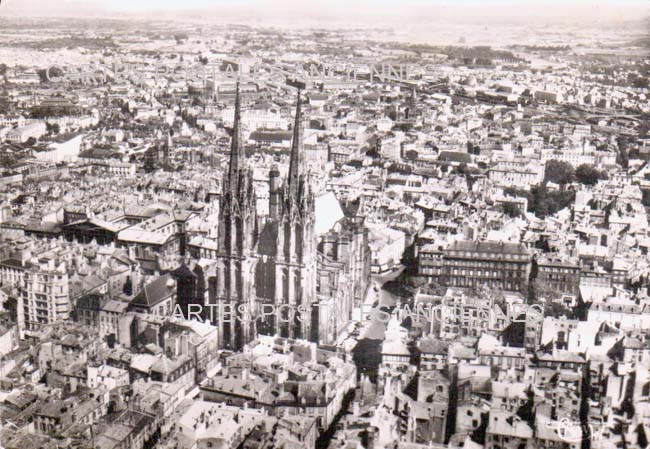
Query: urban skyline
{"points": [[363, 12], [325, 225]]}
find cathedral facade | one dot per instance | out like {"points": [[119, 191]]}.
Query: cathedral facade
{"points": [[265, 274], [273, 275]]}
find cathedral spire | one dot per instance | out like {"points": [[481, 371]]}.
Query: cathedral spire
{"points": [[296, 165], [236, 148]]}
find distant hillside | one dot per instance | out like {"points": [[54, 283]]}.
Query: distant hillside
{"points": [[642, 42]]}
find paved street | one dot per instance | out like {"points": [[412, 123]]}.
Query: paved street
{"points": [[367, 353]]}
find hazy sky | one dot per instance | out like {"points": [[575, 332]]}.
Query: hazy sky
{"points": [[418, 9]]}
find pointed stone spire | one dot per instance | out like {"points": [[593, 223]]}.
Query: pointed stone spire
{"points": [[296, 165], [236, 148]]}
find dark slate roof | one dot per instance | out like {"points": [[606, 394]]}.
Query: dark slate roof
{"points": [[12, 263], [154, 292], [489, 247], [98, 153], [271, 135], [44, 226], [92, 301], [455, 156], [432, 346]]}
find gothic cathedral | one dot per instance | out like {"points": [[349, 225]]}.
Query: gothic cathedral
{"points": [[264, 280]]}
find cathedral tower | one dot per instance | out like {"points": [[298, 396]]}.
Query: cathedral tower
{"points": [[286, 272], [265, 277], [233, 284]]}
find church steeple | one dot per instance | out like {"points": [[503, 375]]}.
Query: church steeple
{"points": [[237, 239], [296, 165], [236, 147]]}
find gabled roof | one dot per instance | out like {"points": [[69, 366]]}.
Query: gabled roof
{"points": [[137, 235], [154, 292]]}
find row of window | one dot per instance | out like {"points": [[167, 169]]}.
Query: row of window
{"points": [[477, 255], [485, 264], [487, 273]]}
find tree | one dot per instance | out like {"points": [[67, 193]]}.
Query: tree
{"points": [[588, 175], [559, 172], [53, 128], [557, 310], [180, 37], [544, 203], [511, 210]]}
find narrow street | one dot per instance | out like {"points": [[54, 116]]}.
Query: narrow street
{"points": [[367, 353]]}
